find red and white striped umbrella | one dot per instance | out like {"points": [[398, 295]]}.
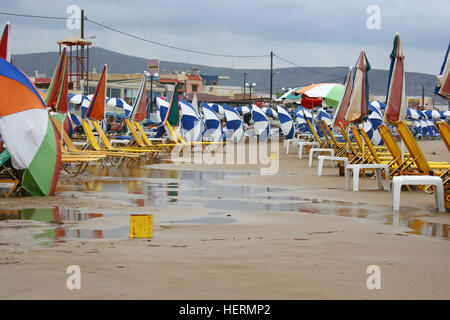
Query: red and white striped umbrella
{"points": [[396, 103]]}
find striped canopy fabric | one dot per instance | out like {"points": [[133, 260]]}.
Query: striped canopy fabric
{"points": [[342, 107], [261, 123], [213, 129], [139, 111], [190, 123], [96, 109], [443, 79], [235, 130], [286, 123], [58, 92], [359, 100], [396, 103], [5, 43], [27, 131]]}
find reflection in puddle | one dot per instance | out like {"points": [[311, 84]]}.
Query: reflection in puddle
{"points": [[164, 188]]}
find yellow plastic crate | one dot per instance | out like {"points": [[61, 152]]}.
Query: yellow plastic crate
{"points": [[141, 226]]}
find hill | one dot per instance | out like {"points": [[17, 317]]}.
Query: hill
{"points": [[283, 77]]}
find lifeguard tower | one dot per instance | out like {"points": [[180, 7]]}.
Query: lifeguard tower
{"points": [[78, 59]]}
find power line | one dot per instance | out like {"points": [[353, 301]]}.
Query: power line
{"points": [[137, 37], [173, 47], [34, 16]]}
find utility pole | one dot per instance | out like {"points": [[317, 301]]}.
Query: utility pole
{"points": [[82, 52], [245, 77], [423, 97], [271, 75]]}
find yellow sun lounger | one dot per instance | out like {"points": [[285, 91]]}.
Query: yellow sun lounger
{"points": [[431, 168], [123, 157], [150, 153], [444, 131]]}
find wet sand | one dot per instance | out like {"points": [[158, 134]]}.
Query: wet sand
{"points": [[263, 255]]}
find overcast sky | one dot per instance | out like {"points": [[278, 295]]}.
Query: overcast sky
{"points": [[309, 33]]}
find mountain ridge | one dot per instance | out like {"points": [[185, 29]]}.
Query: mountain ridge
{"points": [[288, 77]]}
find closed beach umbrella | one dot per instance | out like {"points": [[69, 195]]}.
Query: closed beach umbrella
{"points": [[342, 107], [396, 103], [261, 123], [359, 99], [413, 114], [217, 108], [243, 110], [270, 112], [434, 114], [212, 123], [374, 106], [76, 98], [443, 79], [325, 116], [286, 123], [234, 124], [190, 123]]}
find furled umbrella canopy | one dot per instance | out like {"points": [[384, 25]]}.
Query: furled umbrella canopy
{"points": [[57, 98], [342, 107], [443, 79], [396, 103], [96, 109], [359, 99], [5, 43]]}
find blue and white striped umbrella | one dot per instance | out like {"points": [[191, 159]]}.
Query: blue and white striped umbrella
{"points": [[261, 123], [217, 108], [76, 98], [76, 121], [413, 114], [213, 129], [371, 125], [422, 114], [243, 110], [432, 128], [378, 104], [434, 114], [416, 128], [191, 128], [424, 126], [447, 114], [120, 103], [323, 115], [161, 106], [235, 129], [85, 102], [286, 123], [375, 107], [270, 112]]}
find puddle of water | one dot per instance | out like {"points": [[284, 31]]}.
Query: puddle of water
{"points": [[165, 188]]}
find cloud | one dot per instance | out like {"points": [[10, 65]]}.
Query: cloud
{"points": [[310, 33]]}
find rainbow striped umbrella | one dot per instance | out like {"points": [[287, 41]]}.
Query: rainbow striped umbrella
{"points": [[28, 132], [330, 93]]}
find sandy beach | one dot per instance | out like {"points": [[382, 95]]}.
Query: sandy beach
{"points": [[256, 249]]}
